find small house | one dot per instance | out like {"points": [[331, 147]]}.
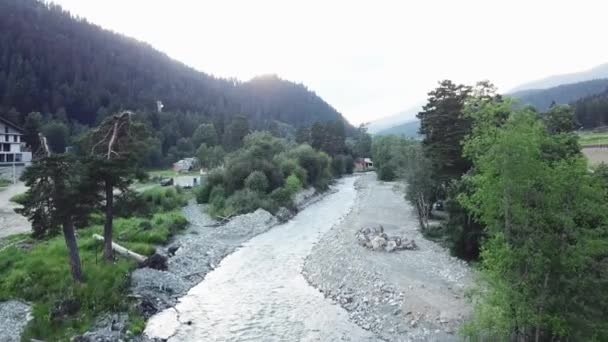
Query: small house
{"points": [[14, 156], [363, 164], [185, 165]]}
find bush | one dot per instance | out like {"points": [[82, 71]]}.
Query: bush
{"points": [[246, 201], [19, 198], [202, 193], [257, 181], [349, 164], [338, 165], [282, 197], [215, 177], [291, 167], [387, 172], [293, 184]]}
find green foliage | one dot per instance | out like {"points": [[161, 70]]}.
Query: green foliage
{"points": [[202, 193], [291, 167], [281, 197], [246, 201], [4, 182], [205, 134], [293, 184], [338, 165], [257, 181], [545, 222], [156, 199], [20, 198], [39, 275], [210, 157], [57, 135]]}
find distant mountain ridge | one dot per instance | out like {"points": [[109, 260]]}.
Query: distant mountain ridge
{"points": [[408, 130], [400, 118], [598, 72], [542, 99]]}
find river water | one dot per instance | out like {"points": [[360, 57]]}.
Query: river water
{"points": [[258, 292]]}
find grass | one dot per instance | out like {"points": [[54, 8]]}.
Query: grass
{"points": [[41, 275], [170, 173], [593, 138], [4, 182], [19, 198]]}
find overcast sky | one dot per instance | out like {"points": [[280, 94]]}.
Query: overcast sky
{"points": [[368, 59]]}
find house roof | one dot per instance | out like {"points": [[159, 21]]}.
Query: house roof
{"points": [[9, 123]]}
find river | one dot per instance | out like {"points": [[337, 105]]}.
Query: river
{"points": [[258, 292]]}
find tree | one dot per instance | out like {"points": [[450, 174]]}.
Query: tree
{"points": [[31, 127], [57, 134], [363, 143], [328, 137], [205, 134], [444, 127], [544, 259], [210, 157], [113, 149], [235, 132], [57, 197]]}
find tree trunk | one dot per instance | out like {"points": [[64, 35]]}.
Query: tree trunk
{"points": [[70, 242], [108, 254]]}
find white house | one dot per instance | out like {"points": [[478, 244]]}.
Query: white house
{"points": [[12, 147]]}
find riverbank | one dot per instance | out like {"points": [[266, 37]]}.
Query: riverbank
{"points": [[258, 293], [192, 254], [409, 295]]}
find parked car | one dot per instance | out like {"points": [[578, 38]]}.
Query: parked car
{"points": [[166, 181]]}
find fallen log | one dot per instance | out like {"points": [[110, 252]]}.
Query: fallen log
{"points": [[122, 250]]}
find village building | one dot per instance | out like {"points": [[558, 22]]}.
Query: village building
{"points": [[185, 165], [13, 155], [364, 164]]}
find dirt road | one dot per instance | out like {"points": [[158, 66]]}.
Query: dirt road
{"points": [[10, 222]]}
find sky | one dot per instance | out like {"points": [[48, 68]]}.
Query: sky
{"points": [[368, 59]]}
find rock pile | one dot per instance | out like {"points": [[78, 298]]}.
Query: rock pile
{"points": [[376, 239]]}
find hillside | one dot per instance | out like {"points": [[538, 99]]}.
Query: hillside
{"points": [[600, 71], [54, 63], [562, 94], [592, 111], [408, 130], [400, 118]]}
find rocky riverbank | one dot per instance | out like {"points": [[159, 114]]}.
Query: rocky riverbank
{"points": [[191, 255], [406, 295]]}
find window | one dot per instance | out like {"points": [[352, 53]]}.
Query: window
{"points": [[6, 137], [6, 147], [2, 158], [18, 157], [6, 129], [15, 138], [10, 158]]}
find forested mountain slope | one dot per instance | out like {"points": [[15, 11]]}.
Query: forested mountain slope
{"points": [[542, 99], [51, 62]]}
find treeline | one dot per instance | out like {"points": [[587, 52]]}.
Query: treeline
{"points": [[76, 74], [268, 170], [592, 111], [542, 99], [520, 200]]}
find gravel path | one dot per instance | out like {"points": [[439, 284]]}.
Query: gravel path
{"points": [[10, 222], [14, 315], [402, 296]]}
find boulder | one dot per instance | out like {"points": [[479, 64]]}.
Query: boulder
{"points": [[391, 245], [155, 261], [378, 243], [283, 214]]}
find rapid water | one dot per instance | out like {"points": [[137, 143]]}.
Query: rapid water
{"points": [[258, 293]]}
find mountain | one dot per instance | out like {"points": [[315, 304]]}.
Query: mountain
{"points": [[408, 130], [542, 99], [600, 71], [393, 120], [54, 63]]}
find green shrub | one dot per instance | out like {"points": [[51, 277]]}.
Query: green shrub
{"points": [[387, 172], [246, 201], [203, 193], [349, 164], [215, 177], [19, 198], [282, 197], [291, 167], [4, 182], [257, 181], [338, 165], [293, 184]]}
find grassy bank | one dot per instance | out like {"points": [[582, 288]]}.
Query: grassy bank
{"points": [[593, 138], [38, 271]]}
